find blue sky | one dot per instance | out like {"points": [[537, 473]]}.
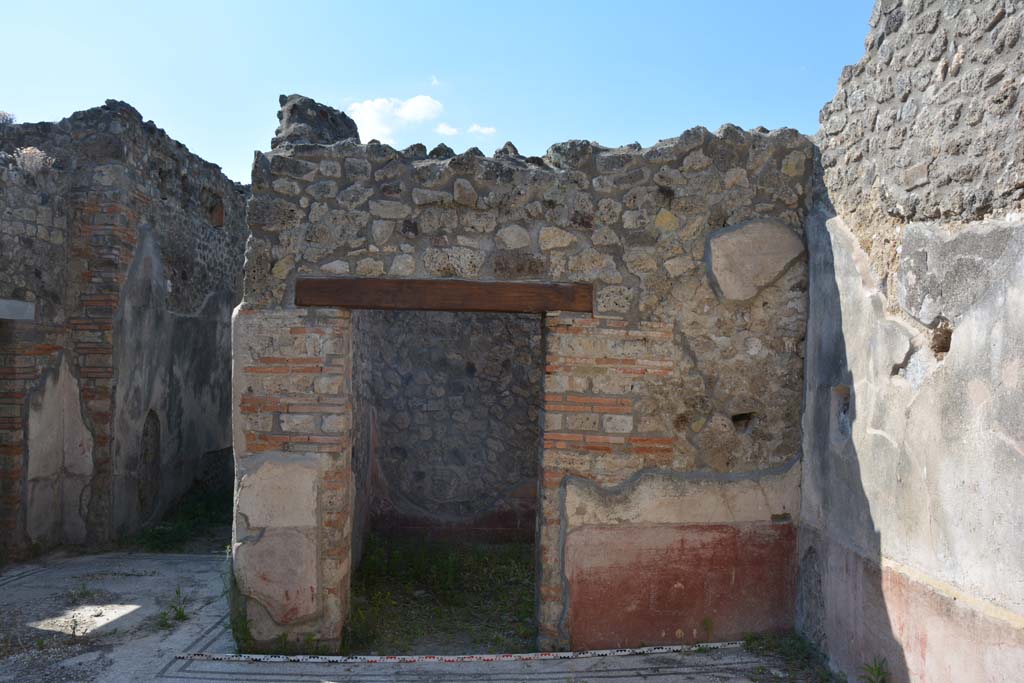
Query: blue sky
{"points": [[468, 73]]}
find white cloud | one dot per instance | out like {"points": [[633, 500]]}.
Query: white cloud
{"points": [[378, 118], [419, 108], [445, 129], [434, 81], [482, 130]]}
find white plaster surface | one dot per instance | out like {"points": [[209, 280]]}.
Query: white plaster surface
{"points": [[60, 461]]}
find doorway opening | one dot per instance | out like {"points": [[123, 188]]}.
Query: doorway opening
{"points": [[446, 453]]}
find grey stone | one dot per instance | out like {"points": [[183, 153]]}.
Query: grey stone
{"points": [[422, 197], [370, 267], [745, 258], [464, 193], [382, 231], [159, 238], [305, 120], [390, 209], [273, 215], [403, 265], [453, 262], [513, 237], [336, 267], [555, 238]]}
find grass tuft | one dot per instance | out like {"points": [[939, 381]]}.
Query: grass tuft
{"points": [[801, 659], [875, 672]]}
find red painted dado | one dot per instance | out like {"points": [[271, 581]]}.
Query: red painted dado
{"points": [[650, 585]]}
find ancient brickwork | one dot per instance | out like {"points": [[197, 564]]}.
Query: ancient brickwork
{"points": [[687, 373], [143, 245], [928, 125], [292, 429], [33, 251], [456, 420]]}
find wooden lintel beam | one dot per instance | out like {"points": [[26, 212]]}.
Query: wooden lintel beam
{"points": [[444, 295]]}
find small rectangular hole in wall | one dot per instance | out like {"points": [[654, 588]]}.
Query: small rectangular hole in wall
{"points": [[446, 446]]}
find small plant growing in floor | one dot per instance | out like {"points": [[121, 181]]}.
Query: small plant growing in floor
{"points": [[800, 658], [80, 594], [178, 606], [709, 626], [875, 672], [175, 611]]}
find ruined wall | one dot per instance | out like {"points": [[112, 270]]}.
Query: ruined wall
{"points": [[182, 283], [670, 419], [456, 400], [927, 125], [913, 427], [33, 277], [118, 387]]}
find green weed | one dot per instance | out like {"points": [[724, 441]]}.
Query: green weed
{"points": [[800, 658], [875, 672], [178, 606], [81, 594], [405, 590]]}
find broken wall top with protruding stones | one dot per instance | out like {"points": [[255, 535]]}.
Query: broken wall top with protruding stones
{"points": [[197, 214], [928, 124], [582, 213], [33, 235], [112, 235], [702, 232]]}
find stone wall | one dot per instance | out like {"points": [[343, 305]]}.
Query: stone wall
{"points": [[117, 387], [913, 427], [33, 239], [456, 400], [671, 412], [927, 126]]}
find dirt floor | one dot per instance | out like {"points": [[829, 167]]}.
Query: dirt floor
{"points": [[437, 597]]}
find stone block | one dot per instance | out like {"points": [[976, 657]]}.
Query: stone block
{"points": [[513, 237], [744, 259]]}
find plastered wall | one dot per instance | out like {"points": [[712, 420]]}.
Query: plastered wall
{"points": [[910, 515]]}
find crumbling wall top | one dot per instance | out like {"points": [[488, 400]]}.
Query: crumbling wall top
{"points": [[305, 120], [929, 124]]}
